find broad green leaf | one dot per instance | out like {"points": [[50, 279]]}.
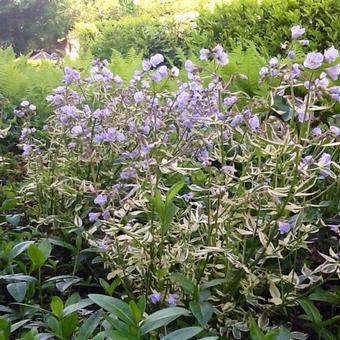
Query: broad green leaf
{"points": [[184, 282], [255, 331], [14, 220], [212, 283], [88, 327], [19, 248], [169, 214], [36, 256], [17, 290], [284, 334], [162, 318], [57, 306], [54, 325], [76, 306], [174, 190], [5, 329], [311, 311], [117, 335], [158, 204], [114, 306], [183, 334], [203, 311], [69, 324], [135, 311], [322, 295], [46, 248], [141, 304], [19, 324]]}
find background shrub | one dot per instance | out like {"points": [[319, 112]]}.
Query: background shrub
{"points": [[267, 24]]}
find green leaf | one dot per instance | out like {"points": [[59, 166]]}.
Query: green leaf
{"points": [[169, 214], [88, 327], [54, 325], [183, 334], [162, 318], [184, 282], [5, 329], [57, 306], [46, 248], [322, 295], [17, 290], [19, 248], [76, 306], [135, 311], [174, 190], [284, 334], [14, 220], [311, 311], [115, 306], [36, 256], [212, 283], [255, 331], [158, 204], [69, 324], [203, 311], [141, 304]]}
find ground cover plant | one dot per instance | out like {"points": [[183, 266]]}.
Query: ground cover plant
{"points": [[180, 204]]}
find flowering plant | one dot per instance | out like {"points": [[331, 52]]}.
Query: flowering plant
{"points": [[204, 196]]}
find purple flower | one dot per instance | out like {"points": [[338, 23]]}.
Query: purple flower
{"points": [[172, 299], [331, 54], [273, 61], [25, 104], [189, 66], [334, 130], [291, 55], [27, 149], [304, 42], [71, 76], [306, 161], [106, 215], [296, 70], [146, 65], [303, 115], [316, 132], [263, 71], [229, 101], [221, 57], [334, 71], [254, 122], [100, 199], [313, 60], [19, 113], [93, 216], [155, 297], [283, 227], [204, 53], [297, 31], [156, 59], [128, 173], [335, 93], [139, 97], [163, 71], [228, 169], [325, 159], [118, 80], [238, 119], [76, 130], [156, 76], [174, 71]]}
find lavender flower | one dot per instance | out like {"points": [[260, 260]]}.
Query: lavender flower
{"points": [[283, 227], [229, 101], [273, 61], [254, 122], [335, 93], [221, 57], [139, 97], [304, 42], [334, 130], [93, 217], [106, 215], [297, 31], [156, 59], [291, 55], [155, 297], [25, 104], [146, 65], [228, 169], [173, 299], [316, 132], [100, 200], [76, 131], [71, 76], [118, 80], [204, 53], [238, 119], [174, 71], [189, 66], [313, 60], [325, 160], [331, 54], [334, 71], [296, 70], [263, 71]]}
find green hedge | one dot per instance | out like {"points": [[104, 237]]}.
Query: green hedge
{"points": [[268, 24], [143, 34]]}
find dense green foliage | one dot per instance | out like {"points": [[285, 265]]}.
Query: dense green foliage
{"points": [[267, 24]]}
